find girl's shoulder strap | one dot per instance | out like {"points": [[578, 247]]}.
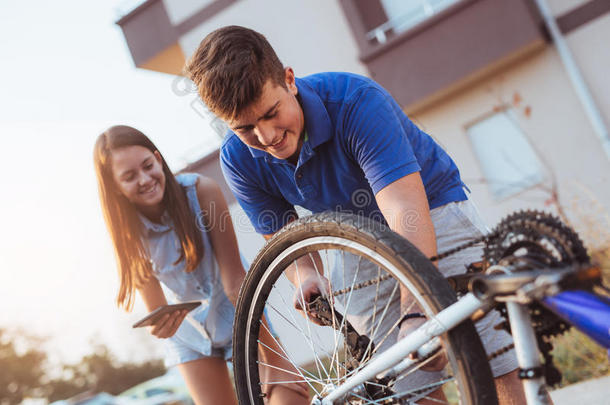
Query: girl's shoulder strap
{"points": [[187, 179]]}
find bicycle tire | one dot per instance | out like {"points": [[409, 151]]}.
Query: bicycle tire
{"points": [[462, 345]]}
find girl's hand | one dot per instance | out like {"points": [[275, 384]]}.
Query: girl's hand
{"points": [[168, 325]]}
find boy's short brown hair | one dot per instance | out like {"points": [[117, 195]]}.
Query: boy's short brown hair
{"points": [[230, 68]]}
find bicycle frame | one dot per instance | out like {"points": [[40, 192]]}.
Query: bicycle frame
{"points": [[586, 311]]}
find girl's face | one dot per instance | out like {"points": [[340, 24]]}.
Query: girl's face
{"points": [[138, 174]]}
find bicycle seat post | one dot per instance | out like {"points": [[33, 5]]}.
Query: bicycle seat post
{"points": [[526, 348]]}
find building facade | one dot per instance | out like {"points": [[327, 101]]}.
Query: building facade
{"points": [[483, 77]]}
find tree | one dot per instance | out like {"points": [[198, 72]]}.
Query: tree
{"points": [[100, 371], [22, 366], [25, 368]]}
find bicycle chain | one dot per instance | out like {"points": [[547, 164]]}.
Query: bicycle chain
{"points": [[362, 285], [432, 259], [440, 256]]}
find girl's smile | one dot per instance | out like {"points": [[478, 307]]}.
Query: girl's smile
{"points": [[139, 176]]}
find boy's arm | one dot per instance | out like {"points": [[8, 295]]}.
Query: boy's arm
{"points": [[404, 206], [378, 136]]}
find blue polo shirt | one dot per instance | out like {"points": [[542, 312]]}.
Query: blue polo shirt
{"points": [[358, 140]]}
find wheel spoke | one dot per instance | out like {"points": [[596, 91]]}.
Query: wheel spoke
{"points": [[417, 367], [284, 356], [394, 326], [385, 310], [317, 360], [375, 302], [295, 325], [332, 308], [346, 308], [335, 357]]}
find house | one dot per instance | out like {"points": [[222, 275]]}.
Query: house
{"points": [[483, 77]]}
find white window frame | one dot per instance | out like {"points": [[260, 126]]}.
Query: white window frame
{"points": [[527, 160]]}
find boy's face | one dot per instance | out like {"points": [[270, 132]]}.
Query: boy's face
{"points": [[274, 122]]}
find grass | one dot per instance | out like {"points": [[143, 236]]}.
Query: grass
{"points": [[579, 358]]}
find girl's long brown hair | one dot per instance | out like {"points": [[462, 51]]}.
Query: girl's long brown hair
{"points": [[124, 225]]}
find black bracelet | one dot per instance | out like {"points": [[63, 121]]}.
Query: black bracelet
{"points": [[411, 315]]}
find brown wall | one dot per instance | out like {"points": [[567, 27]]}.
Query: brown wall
{"points": [[442, 55], [148, 31], [458, 42]]}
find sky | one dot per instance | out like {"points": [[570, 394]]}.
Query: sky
{"points": [[65, 76]]}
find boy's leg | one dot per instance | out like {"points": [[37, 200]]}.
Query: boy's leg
{"points": [[455, 224], [510, 390]]}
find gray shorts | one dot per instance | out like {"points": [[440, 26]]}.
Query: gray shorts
{"points": [[457, 223], [454, 223]]}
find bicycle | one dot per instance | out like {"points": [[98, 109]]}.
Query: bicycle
{"points": [[536, 276]]}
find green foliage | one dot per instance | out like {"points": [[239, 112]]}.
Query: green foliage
{"points": [[579, 358], [25, 371]]}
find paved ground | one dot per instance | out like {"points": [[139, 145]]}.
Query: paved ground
{"points": [[592, 392]]}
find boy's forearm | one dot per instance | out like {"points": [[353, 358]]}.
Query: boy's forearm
{"points": [[404, 205], [419, 230]]}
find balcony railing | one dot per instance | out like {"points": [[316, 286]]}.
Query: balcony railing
{"points": [[401, 20]]}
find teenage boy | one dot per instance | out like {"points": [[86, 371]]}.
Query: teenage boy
{"points": [[336, 141]]}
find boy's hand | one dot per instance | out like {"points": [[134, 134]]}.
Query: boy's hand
{"points": [[311, 287], [439, 359], [168, 324]]}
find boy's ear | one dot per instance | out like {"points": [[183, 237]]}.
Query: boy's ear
{"points": [[290, 81]]}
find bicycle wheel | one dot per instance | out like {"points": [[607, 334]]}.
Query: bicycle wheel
{"points": [[365, 263]]}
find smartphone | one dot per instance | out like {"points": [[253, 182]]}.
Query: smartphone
{"points": [[158, 313]]}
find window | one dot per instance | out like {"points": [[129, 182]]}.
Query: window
{"points": [[403, 15], [508, 161]]}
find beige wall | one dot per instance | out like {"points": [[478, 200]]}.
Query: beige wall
{"points": [[311, 36], [556, 125], [590, 46]]}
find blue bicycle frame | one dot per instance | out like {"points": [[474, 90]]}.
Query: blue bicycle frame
{"points": [[586, 311]]}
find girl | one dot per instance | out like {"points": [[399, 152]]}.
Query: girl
{"points": [[174, 239]]}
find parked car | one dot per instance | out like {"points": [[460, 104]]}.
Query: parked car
{"points": [[93, 398], [168, 389]]}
